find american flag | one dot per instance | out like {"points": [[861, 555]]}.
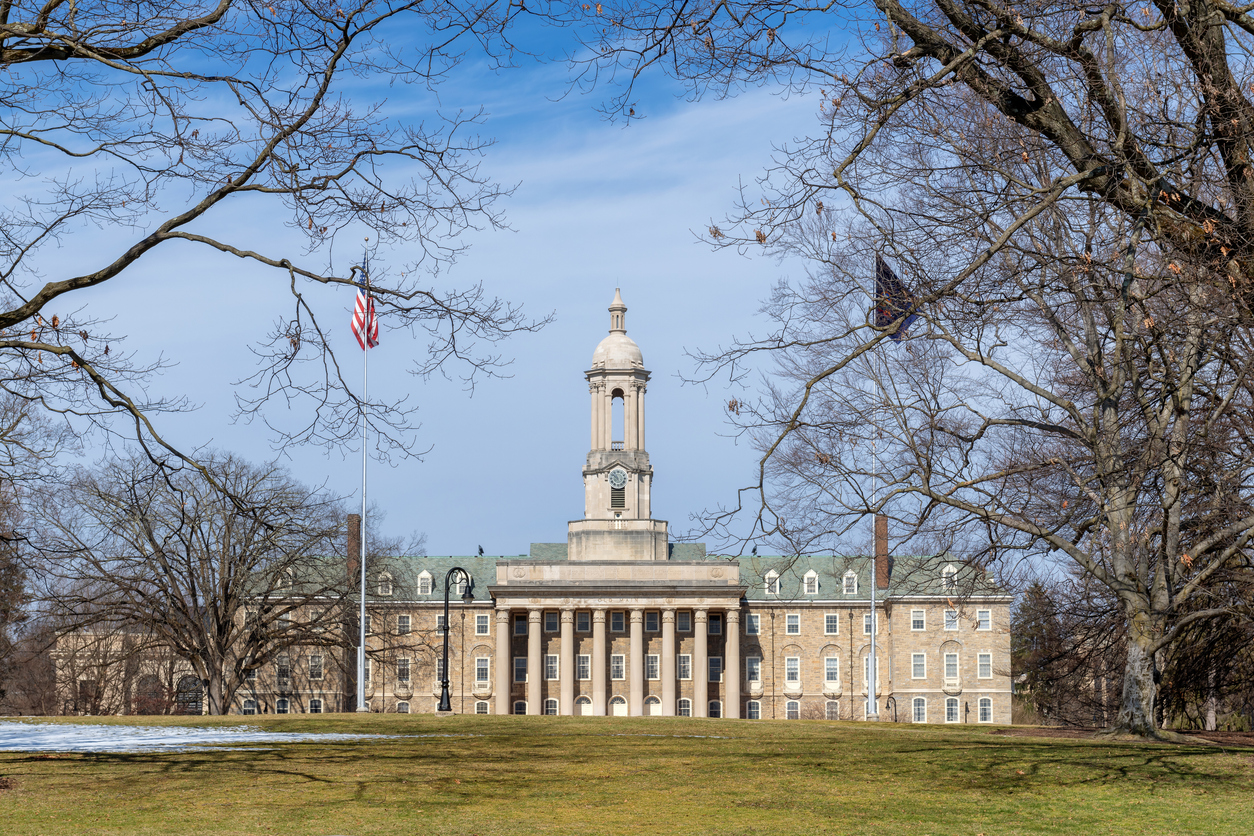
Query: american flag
{"points": [[365, 323], [892, 299]]}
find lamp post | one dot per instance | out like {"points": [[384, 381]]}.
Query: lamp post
{"points": [[445, 703]]}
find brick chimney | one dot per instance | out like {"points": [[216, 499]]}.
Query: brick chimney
{"points": [[881, 552], [353, 547]]}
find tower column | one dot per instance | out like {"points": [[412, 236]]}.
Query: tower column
{"points": [[629, 418], [635, 663], [668, 663], [598, 663], [700, 664], [504, 659], [596, 416], [731, 667], [566, 663], [640, 415], [535, 664]]}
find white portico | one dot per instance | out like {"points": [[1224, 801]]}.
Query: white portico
{"points": [[619, 604]]}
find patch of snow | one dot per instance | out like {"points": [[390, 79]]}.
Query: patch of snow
{"points": [[66, 737]]}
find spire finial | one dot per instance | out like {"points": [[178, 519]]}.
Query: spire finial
{"points": [[618, 314]]}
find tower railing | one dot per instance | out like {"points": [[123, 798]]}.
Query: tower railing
{"points": [[616, 445]]}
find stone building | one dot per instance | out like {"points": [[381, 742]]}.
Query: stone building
{"points": [[618, 620]]}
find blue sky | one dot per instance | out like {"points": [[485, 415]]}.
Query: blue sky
{"points": [[599, 205]]}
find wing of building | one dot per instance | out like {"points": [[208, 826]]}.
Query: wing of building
{"points": [[620, 621]]}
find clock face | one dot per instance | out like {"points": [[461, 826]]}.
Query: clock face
{"points": [[618, 478]]}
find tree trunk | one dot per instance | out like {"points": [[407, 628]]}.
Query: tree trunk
{"points": [[1211, 702], [1136, 712]]}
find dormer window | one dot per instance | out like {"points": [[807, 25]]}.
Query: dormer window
{"points": [[424, 583], [949, 579], [385, 584], [772, 582], [851, 583], [812, 582]]}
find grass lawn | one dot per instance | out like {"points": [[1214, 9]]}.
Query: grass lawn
{"points": [[526, 775]]}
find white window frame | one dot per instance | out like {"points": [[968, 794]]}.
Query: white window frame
{"points": [[952, 713], [951, 621], [402, 707], [984, 620], [792, 624], [918, 620], [683, 708], [404, 669], [583, 667], [520, 668], [918, 666], [831, 624], [404, 625], [481, 707], [366, 670], [715, 666], [831, 711], [949, 579], [550, 707], [282, 706], [811, 583], [424, 583], [831, 664], [520, 704], [439, 669], [714, 709], [315, 706], [985, 704], [652, 666], [440, 625], [792, 670], [552, 667], [866, 624], [770, 583], [249, 707], [384, 585], [984, 662], [753, 710], [483, 624], [683, 666], [753, 669], [957, 667], [753, 624], [849, 583], [918, 710], [483, 670], [618, 667], [792, 710], [315, 667]]}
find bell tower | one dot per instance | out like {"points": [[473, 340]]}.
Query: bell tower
{"points": [[617, 476]]}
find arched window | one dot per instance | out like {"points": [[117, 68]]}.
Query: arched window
{"points": [[520, 707], [617, 429], [550, 708], [250, 707], [583, 706], [402, 708], [281, 706], [424, 583], [951, 710], [986, 710], [315, 706], [753, 710], [481, 707], [715, 709], [385, 584], [685, 708], [919, 710], [151, 697], [949, 579], [188, 696], [792, 710], [833, 710]]}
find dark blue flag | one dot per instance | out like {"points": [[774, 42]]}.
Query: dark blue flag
{"points": [[892, 300]]}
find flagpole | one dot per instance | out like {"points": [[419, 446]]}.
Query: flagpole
{"points": [[361, 622]]}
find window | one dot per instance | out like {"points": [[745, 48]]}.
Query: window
{"points": [[792, 624], [315, 706], [368, 626], [984, 619], [949, 579], [951, 619], [716, 668], [753, 624], [986, 710], [951, 710], [715, 709], [439, 625], [283, 670], [833, 710], [385, 584], [985, 666], [459, 588], [402, 670], [684, 709], [716, 624], [683, 622], [683, 666], [439, 669], [851, 583], [811, 583], [753, 669], [866, 623], [831, 669], [315, 666], [481, 670], [250, 675], [831, 624], [583, 667], [520, 625], [917, 620], [652, 669], [771, 582], [552, 622], [366, 670], [550, 708], [792, 710], [951, 667], [250, 707], [520, 671], [918, 666], [919, 710], [618, 666], [753, 710], [651, 621], [424, 584], [866, 673], [792, 670], [520, 707], [583, 622], [550, 666], [281, 706], [483, 623], [618, 621], [402, 625], [481, 707]]}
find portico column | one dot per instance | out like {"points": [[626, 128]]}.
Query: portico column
{"points": [[535, 665], [598, 663], [636, 664], [668, 663], [504, 690], [700, 664], [731, 667], [566, 663]]}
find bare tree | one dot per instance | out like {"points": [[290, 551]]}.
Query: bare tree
{"points": [[1068, 195], [226, 579], [152, 121]]}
